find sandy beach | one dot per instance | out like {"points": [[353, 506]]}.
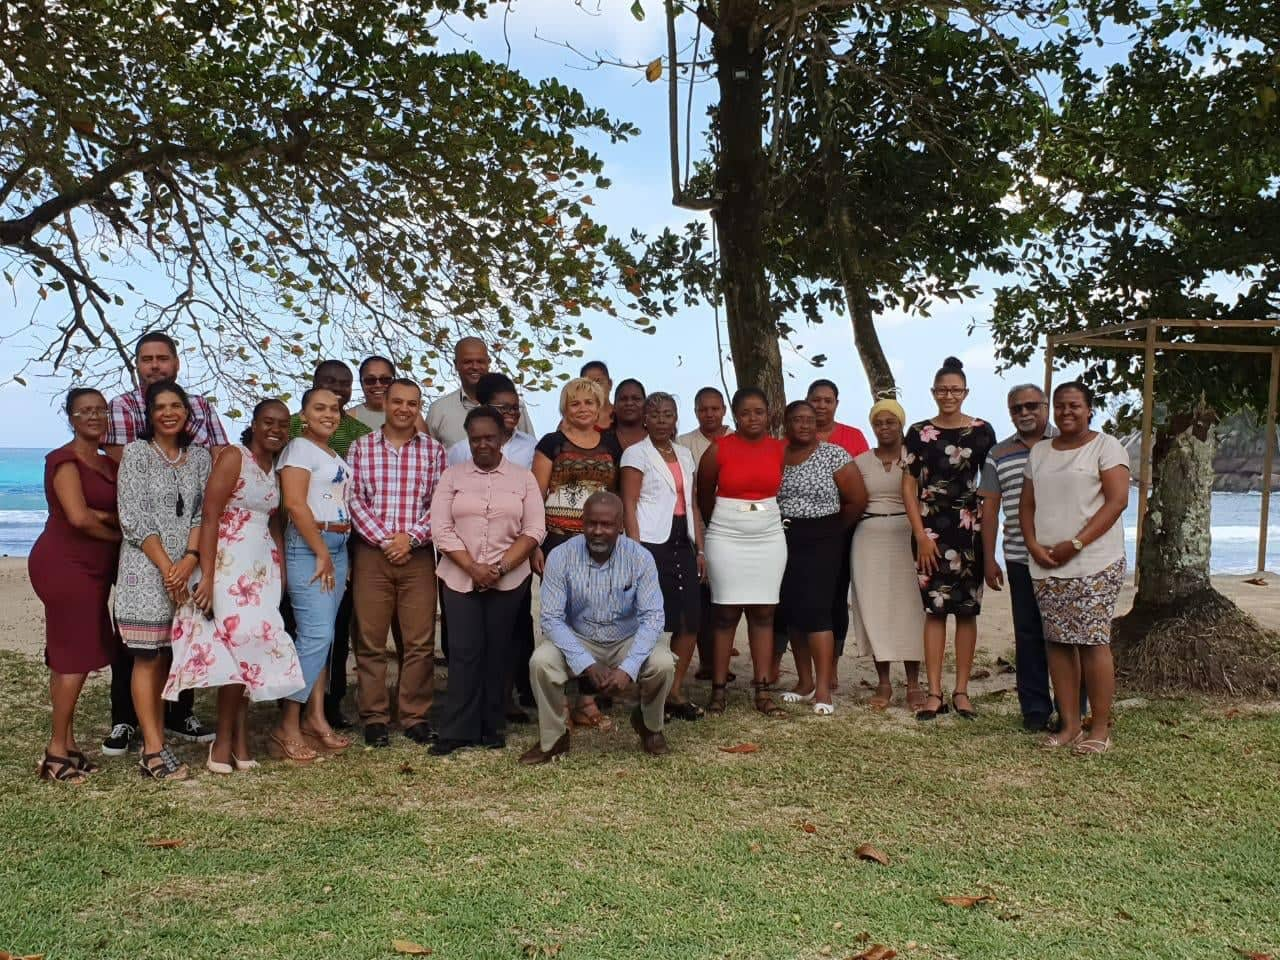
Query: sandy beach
{"points": [[22, 629]]}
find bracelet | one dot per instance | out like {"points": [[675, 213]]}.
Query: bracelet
{"points": [[191, 553]]}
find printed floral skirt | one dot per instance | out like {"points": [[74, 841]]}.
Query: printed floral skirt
{"points": [[1079, 610]]}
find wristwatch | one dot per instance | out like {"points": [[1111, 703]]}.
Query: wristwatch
{"points": [[1076, 544], [503, 570], [414, 542]]}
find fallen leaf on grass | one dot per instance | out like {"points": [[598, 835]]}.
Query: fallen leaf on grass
{"points": [[865, 683], [1184, 736], [165, 844], [979, 674], [755, 848], [741, 748], [1247, 954], [405, 768], [1005, 666], [808, 827], [1123, 915], [968, 903], [1256, 582], [409, 948], [1232, 713], [6, 955], [877, 951], [868, 852]]}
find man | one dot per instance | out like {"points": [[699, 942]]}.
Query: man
{"points": [[496, 390], [376, 374], [155, 358], [335, 376], [394, 473], [709, 408], [602, 617], [444, 419], [1001, 486]]}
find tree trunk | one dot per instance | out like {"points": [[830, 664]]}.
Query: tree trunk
{"points": [[844, 242], [1181, 633], [1174, 562], [743, 197]]}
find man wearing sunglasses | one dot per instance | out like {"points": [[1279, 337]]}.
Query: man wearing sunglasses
{"points": [[1001, 486]]}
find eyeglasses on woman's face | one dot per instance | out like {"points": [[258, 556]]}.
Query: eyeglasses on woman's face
{"points": [[950, 391], [507, 409], [90, 413]]}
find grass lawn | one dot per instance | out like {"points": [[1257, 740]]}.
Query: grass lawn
{"points": [[1167, 847]]}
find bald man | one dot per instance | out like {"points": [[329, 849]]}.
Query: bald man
{"points": [[447, 414]]}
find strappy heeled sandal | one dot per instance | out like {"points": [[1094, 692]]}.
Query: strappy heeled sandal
{"points": [[286, 748], [169, 767], [719, 699], [970, 713], [764, 700], [83, 763], [60, 769], [924, 713]]}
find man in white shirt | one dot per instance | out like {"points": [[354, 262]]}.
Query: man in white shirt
{"points": [[446, 416]]}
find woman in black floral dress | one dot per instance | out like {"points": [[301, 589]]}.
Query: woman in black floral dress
{"points": [[944, 458]]}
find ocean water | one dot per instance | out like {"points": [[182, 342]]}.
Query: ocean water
{"points": [[1235, 517]]}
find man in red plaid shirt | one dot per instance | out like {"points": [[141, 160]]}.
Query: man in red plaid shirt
{"points": [[394, 473]]}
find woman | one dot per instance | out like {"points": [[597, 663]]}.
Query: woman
{"points": [[160, 487], [232, 636], [72, 567], [738, 480], [487, 519], [598, 373], [314, 487], [569, 465], [1076, 488], [628, 413], [659, 512], [940, 493], [887, 617], [820, 498]]}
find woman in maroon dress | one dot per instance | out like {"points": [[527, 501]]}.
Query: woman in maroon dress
{"points": [[72, 567]]}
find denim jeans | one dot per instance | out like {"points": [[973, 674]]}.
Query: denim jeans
{"points": [[314, 610], [1029, 645]]}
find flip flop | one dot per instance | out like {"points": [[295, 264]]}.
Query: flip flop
{"points": [[792, 697], [1089, 748]]}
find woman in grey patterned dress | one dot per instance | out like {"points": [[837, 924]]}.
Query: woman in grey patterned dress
{"points": [[160, 487]]}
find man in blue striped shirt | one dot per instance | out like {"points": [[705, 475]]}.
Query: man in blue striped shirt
{"points": [[602, 617]]}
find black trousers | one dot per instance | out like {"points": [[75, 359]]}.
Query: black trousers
{"points": [[840, 603], [481, 630], [522, 649], [175, 712]]}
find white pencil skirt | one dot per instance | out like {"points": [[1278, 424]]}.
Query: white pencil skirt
{"points": [[746, 552]]}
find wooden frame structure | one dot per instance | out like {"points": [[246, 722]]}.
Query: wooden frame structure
{"points": [[1102, 338]]}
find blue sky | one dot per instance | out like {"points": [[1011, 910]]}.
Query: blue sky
{"points": [[682, 355]]}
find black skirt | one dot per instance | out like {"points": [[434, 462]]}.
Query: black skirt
{"points": [[677, 562], [814, 545]]}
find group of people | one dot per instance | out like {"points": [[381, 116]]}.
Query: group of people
{"points": [[184, 562]]}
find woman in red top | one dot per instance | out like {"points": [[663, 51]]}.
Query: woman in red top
{"points": [[72, 567], [746, 550]]}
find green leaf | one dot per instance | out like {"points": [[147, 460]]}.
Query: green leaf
{"points": [[637, 10]]}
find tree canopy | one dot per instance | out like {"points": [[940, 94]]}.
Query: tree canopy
{"points": [[303, 174]]}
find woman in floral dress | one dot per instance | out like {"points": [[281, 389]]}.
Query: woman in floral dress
{"points": [[238, 643], [944, 458]]}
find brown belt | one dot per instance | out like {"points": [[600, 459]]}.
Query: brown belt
{"points": [[328, 526]]}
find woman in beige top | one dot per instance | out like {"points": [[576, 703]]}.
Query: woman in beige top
{"points": [[887, 617]]}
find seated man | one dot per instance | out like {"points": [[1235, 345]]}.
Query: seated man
{"points": [[602, 616]]}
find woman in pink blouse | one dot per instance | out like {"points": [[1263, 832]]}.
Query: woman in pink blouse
{"points": [[486, 519]]}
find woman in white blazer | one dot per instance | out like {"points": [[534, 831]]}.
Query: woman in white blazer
{"points": [[661, 513]]}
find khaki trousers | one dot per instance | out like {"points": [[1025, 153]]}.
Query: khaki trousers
{"points": [[548, 673], [407, 593]]}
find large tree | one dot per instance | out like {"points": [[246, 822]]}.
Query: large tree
{"points": [[1158, 199], [292, 176]]}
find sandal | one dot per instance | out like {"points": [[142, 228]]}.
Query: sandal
{"points": [[716, 705], [584, 715], [168, 767], [764, 701], [60, 769], [683, 710], [1056, 741], [915, 699], [1088, 748], [924, 713], [824, 709], [881, 699], [83, 763], [970, 713], [326, 743], [285, 748]]}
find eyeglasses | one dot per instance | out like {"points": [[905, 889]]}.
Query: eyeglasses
{"points": [[93, 413], [950, 391], [1017, 408], [378, 381], [506, 408]]}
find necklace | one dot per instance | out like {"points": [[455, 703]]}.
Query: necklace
{"points": [[180, 507], [164, 456], [668, 451]]}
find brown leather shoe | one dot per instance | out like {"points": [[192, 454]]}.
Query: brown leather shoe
{"points": [[654, 744], [536, 755]]}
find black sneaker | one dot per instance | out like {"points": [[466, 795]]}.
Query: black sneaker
{"points": [[119, 740], [190, 729], [336, 718], [1035, 723], [421, 733], [375, 735]]}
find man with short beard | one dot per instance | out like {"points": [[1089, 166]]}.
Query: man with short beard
{"points": [[1001, 486], [602, 618]]}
